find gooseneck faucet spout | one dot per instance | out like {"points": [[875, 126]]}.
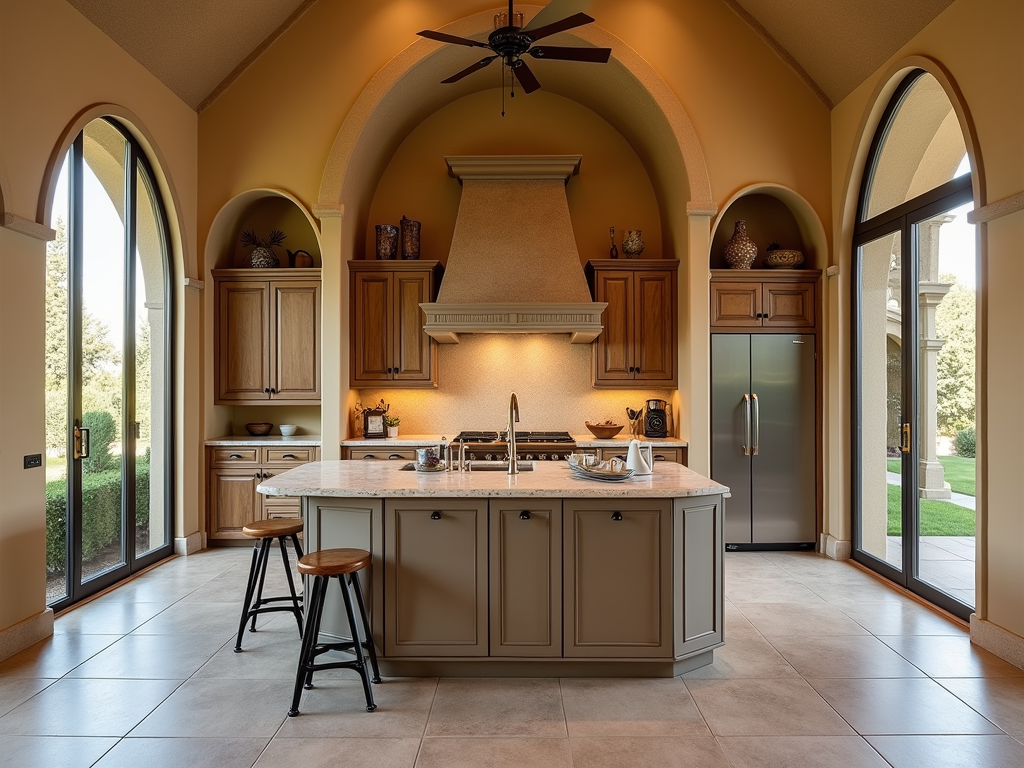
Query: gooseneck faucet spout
{"points": [[513, 417]]}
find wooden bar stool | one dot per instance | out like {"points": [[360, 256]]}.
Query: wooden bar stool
{"points": [[265, 531], [322, 566]]}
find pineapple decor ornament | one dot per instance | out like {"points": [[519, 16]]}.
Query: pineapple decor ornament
{"points": [[263, 256]]}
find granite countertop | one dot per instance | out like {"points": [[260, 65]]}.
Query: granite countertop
{"points": [[402, 441], [582, 441], [622, 439], [232, 440], [548, 479]]}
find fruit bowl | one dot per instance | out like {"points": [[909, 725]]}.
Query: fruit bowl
{"points": [[604, 431], [259, 428], [783, 259]]}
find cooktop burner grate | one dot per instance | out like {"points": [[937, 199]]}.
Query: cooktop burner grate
{"points": [[526, 437]]}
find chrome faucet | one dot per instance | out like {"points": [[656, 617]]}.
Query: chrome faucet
{"points": [[513, 417]]}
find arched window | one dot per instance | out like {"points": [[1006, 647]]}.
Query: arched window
{"points": [[108, 377], [913, 361]]}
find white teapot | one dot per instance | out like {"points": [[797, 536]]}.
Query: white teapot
{"points": [[639, 458]]}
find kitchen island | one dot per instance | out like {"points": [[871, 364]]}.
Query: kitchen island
{"points": [[535, 574]]}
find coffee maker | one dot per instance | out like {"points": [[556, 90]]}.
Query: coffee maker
{"points": [[656, 419]]}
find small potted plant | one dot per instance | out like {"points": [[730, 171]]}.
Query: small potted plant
{"points": [[392, 422]]}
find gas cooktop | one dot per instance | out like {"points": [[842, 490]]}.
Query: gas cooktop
{"points": [[521, 437]]}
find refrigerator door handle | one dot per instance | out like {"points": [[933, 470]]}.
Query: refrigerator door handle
{"points": [[756, 439], [746, 424]]}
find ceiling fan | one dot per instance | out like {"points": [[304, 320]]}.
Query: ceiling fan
{"points": [[510, 41]]}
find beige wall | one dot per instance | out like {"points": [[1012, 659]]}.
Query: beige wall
{"points": [[977, 43], [57, 66]]}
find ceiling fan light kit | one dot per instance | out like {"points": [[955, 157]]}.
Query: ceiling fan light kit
{"points": [[510, 41]]}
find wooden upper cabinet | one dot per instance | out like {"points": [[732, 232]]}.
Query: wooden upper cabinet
{"points": [[267, 336], [638, 343], [388, 342], [750, 299]]}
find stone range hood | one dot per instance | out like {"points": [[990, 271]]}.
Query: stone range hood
{"points": [[513, 265]]}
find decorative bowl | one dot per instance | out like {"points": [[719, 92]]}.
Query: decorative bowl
{"points": [[288, 429], [604, 431], [259, 428], [783, 259]]}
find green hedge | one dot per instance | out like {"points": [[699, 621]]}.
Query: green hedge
{"points": [[101, 497]]}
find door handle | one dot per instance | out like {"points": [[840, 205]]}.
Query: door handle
{"points": [[905, 438], [756, 432], [81, 446], [746, 424]]}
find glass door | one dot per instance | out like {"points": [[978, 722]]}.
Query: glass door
{"points": [[108, 506]]}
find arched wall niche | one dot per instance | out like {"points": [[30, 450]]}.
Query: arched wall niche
{"points": [[261, 210]]}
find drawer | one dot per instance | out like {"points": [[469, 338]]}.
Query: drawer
{"points": [[222, 457], [383, 454], [275, 507], [289, 455], [674, 455]]}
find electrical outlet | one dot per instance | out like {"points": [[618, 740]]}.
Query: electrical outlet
{"points": [[33, 460]]}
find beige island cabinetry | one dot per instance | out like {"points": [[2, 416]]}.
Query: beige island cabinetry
{"points": [[536, 574]]}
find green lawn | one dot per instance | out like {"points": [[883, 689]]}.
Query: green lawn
{"points": [[959, 472], [938, 518]]}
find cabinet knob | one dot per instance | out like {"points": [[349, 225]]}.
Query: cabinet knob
{"points": [[266, 390], [257, 475], [617, 516], [273, 391], [524, 515], [435, 515]]}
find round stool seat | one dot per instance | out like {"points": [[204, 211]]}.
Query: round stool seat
{"points": [[334, 562], [282, 526]]}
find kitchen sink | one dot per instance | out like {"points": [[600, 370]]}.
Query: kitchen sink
{"points": [[486, 466]]}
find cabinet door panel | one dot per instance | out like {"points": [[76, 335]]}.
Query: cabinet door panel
{"points": [[736, 304], [654, 332], [233, 501], [789, 305], [371, 339], [296, 352], [435, 578], [614, 357], [697, 590], [526, 577], [618, 578], [243, 346], [413, 350]]}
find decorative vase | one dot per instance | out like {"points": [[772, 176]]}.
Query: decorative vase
{"points": [[740, 251], [392, 431], [410, 238], [264, 258], [613, 252], [387, 241], [633, 244]]}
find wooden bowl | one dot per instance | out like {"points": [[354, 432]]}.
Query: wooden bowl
{"points": [[604, 431], [259, 428]]}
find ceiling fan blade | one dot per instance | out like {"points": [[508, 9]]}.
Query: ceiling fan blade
{"points": [[555, 10], [470, 69], [563, 53], [441, 37], [525, 76], [570, 22]]}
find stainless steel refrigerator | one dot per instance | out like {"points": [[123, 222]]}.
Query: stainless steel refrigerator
{"points": [[763, 437]]}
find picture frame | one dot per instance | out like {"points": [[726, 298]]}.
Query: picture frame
{"points": [[373, 423]]}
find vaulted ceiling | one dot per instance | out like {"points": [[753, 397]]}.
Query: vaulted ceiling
{"points": [[197, 47]]}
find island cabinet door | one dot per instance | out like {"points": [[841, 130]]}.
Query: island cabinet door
{"points": [[618, 578], [526, 577], [435, 577], [698, 545]]}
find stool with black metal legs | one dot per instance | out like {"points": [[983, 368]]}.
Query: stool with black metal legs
{"points": [[265, 531], [322, 566]]}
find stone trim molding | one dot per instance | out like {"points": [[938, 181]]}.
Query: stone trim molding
{"points": [[702, 208], [189, 545], [999, 208], [559, 167], [20, 636], [836, 549], [328, 211], [16, 223], [993, 638]]}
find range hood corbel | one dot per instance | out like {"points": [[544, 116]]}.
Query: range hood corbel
{"points": [[513, 266]]}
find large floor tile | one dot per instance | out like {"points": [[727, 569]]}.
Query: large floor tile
{"points": [[151, 657], [744, 657], [901, 706], [193, 619], [152, 590], [221, 708], [109, 617], [800, 752], [497, 707], [950, 751], [53, 751], [333, 752], [944, 656], [901, 618], [773, 619], [337, 708], [769, 590], [693, 752], [15, 690], [272, 652], [184, 753], [495, 753], [87, 708], [843, 656], [596, 708], [55, 656], [1000, 699], [765, 708]]}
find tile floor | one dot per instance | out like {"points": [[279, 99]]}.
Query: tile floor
{"points": [[823, 665]]}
